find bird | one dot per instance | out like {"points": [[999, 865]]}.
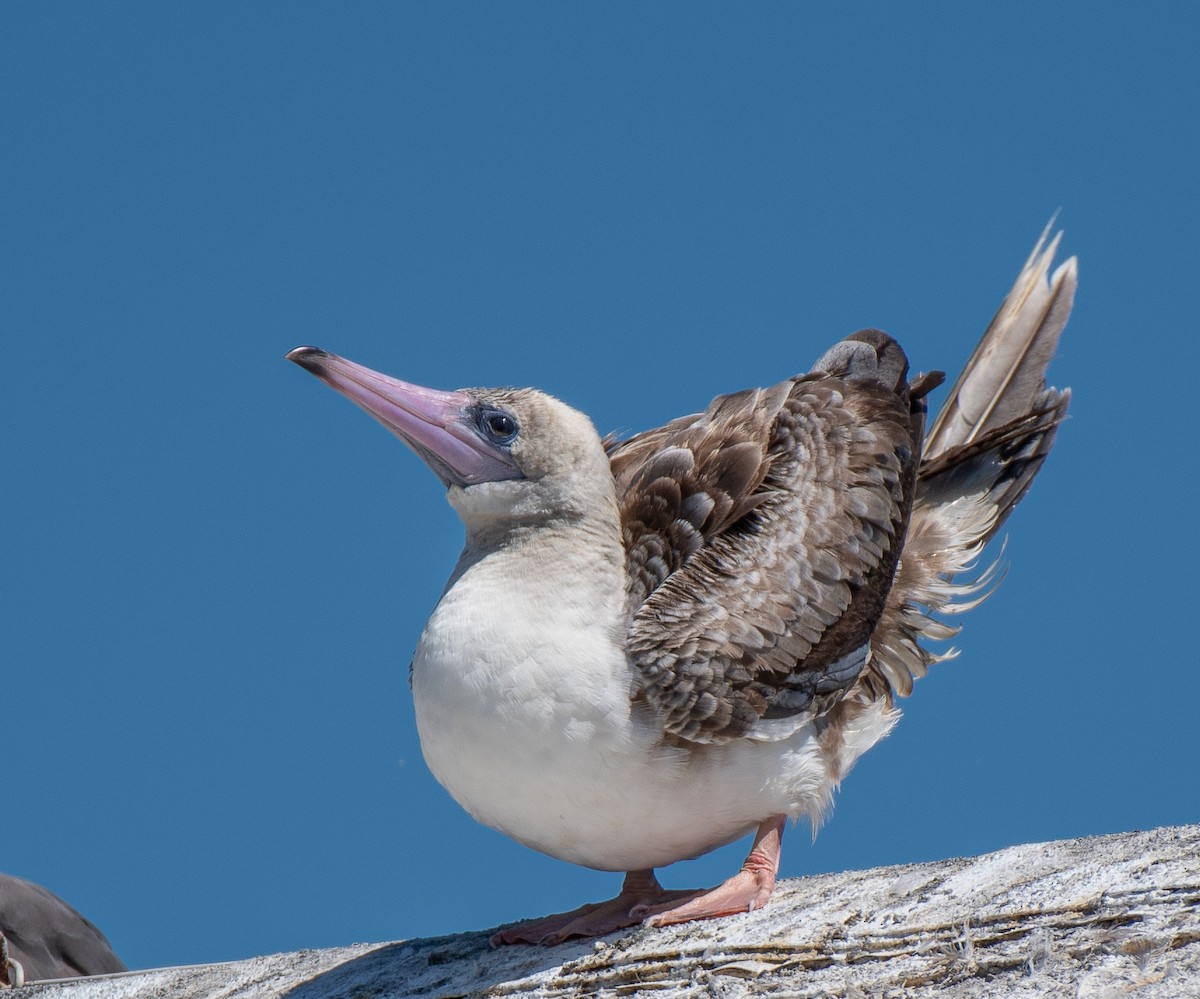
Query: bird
{"points": [[652, 647], [42, 937]]}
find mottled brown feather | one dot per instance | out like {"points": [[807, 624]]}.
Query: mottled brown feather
{"points": [[762, 536]]}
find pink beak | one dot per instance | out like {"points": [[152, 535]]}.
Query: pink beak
{"points": [[438, 426]]}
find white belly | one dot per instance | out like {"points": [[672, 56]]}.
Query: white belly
{"points": [[523, 709]]}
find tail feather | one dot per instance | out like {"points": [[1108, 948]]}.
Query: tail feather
{"points": [[981, 455], [1004, 380]]}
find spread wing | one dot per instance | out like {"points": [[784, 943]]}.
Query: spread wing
{"points": [[762, 536]]}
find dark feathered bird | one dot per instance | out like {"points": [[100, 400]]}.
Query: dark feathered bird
{"points": [[45, 938]]}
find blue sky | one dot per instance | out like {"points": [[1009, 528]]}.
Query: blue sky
{"points": [[215, 569]]}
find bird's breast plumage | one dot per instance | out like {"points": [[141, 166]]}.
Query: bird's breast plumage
{"points": [[650, 647], [522, 690]]}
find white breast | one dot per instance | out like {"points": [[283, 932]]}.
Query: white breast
{"points": [[522, 694], [522, 697]]}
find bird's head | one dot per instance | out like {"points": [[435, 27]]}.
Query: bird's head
{"points": [[505, 455]]}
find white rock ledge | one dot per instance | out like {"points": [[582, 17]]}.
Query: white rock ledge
{"points": [[1100, 916]]}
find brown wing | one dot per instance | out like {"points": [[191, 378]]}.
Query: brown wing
{"points": [[762, 537]]}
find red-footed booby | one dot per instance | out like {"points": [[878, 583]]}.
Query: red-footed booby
{"points": [[653, 647]]}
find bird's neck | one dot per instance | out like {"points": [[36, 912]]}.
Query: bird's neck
{"points": [[587, 544], [524, 614]]}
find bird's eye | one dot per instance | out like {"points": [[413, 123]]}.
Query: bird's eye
{"points": [[499, 426]]}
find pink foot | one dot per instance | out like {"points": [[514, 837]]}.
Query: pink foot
{"points": [[642, 898], [746, 891], [640, 892]]}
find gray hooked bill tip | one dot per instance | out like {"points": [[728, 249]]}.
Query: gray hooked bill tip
{"points": [[306, 357]]}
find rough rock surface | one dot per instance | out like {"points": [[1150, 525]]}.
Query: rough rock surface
{"points": [[1095, 917]]}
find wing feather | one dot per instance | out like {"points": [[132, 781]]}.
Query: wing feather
{"points": [[762, 537], [789, 549]]}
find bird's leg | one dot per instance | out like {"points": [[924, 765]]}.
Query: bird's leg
{"points": [[642, 898], [747, 890], [639, 892]]}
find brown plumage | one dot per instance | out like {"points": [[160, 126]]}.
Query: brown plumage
{"points": [[651, 647], [764, 535]]}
